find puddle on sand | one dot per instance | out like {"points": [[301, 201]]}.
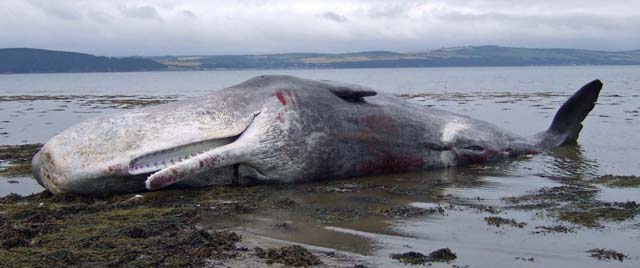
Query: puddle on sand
{"points": [[22, 185]]}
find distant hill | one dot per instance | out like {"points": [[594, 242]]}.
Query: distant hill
{"points": [[29, 60], [445, 57]]}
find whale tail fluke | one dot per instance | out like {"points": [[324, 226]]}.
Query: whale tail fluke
{"points": [[567, 123]]}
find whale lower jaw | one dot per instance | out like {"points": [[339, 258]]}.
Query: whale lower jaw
{"points": [[160, 159]]}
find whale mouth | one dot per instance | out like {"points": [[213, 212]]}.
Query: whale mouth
{"points": [[160, 159]]}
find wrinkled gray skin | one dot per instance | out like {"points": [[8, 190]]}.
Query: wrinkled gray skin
{"points": [[274, 128]]}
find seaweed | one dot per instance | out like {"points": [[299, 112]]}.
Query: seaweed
{"points": [[292, 255], [409, 211], [607, 254], [576, 203], [156, 230], [617, 181], [499, 221], [18, 158], [417, 258]]}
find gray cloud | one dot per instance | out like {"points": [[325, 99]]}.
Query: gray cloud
{"points": [[189, 14], [99, 16], [334, 17], [56, 11], [63, 14], [161, 27], [140, 12], [391, 9]]}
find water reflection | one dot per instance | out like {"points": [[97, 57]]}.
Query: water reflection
{"points": [[570, 161]]}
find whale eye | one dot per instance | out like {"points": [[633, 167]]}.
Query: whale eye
{"points": [[474, 148]]}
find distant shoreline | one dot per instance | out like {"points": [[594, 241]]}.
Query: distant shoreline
{"points": [[303, 69], [28, 60]]}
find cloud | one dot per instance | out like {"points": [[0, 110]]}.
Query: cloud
{"points": [[334, 17], [391, 9], [56, 11], [161, 27], [189, 13], [140, 12]]}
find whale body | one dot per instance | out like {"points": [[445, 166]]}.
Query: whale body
{"points": [[285, 129]]}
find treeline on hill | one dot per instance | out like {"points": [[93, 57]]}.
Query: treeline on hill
{"points": [[29, 60], [445, 57]]}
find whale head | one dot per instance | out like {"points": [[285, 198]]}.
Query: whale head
{"points": [[117, 152]]}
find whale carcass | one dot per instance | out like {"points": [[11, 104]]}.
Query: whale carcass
{"points": [[282, 128]]}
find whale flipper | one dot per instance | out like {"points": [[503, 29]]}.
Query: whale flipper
{"points": [[567, 123], [216, 158]]}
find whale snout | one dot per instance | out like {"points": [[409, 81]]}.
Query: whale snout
{"points": [[36, 167], [45, 171], [60, 172]]}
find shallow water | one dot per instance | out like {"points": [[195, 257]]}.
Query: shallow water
{"points": [[35, 107]]}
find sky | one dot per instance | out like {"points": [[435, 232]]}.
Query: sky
{"points": [[195, 27]]}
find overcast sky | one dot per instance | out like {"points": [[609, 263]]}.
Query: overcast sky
{"points": [[123, 28]]}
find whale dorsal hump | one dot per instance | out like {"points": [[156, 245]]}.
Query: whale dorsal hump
{"points": [[350, 92]]}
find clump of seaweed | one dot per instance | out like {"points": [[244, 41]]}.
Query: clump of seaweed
{"points": [[335, 215], [417, 258], [553, 195], [11, 198], [285, 203], [617, 181], [553, 229], [607, 254], [592, 214], [18, 158], [499, 221], [292, 255], [576, 203], [484, 208], [409, 211], [411, 257]]}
